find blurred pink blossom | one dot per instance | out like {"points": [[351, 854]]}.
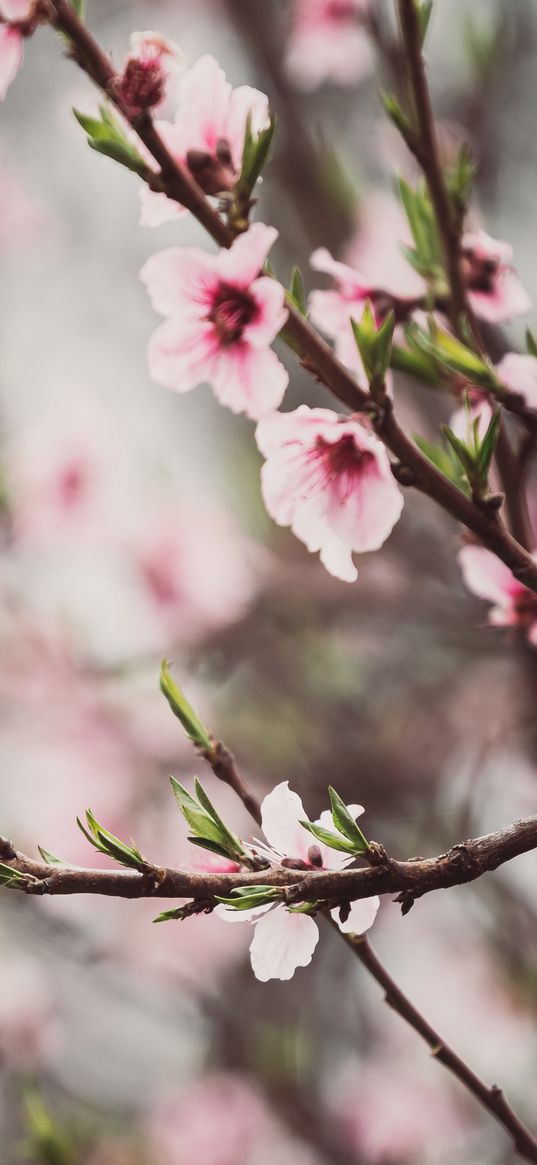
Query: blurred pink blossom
{"points": [[283, 939], [191, 583], [332, 310], [519, 373], [329, 479], [207, 134], [376, 248], [328, 42], [486, 576], [218, 1121], [494, 289], [27, 1023], [15, 13], [222, 315]]}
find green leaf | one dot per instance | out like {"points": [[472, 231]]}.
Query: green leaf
{"points": [[49, 858], [9, 874], [374, 342], [78, 6], [459, 179], [181, 708], [250, 897], [415, 364], [531, 344], [205, 822], [254, 156], [345, 822], [487, 448], [296, 294], [212, 846], [396, 114], [445, 461], [106, 843], [424, 11], [108, 137], [179, 912], [328, 838], [451, 354]]}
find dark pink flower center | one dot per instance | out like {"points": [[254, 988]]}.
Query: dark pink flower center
{"points": [[343, 458], [341, 11], [525, 605], [72, 484], [231, 312], [480, 271]]}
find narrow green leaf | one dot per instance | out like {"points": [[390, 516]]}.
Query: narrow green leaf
{"points": [[344, 821], [8, 874], [178, 912], [181, 708], [296, 291], [232, 839], [328, 838], [488, 445], [531, 344], [200, 822], [424, 11], [49, 858]]}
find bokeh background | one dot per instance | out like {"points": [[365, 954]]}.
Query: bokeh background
{"points": [[133, 527]]}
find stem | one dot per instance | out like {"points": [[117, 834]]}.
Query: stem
{"points": [[463, 863], [491, 1098], [181, 186]]}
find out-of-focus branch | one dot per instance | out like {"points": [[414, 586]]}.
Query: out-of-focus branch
{"points": [[423, 143], [463, 863], [179, 184], [490, 1097]]}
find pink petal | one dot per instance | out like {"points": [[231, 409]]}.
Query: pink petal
{"points": [[280, 429], [244, 102], [10, 56], [281, 814], [282, 942], [507, 300], [272, 314], [486, 576], [180, 280], [245, 258], [249, 380], [462, 419], [519, 372], [362, 916], [203, 101], [156, 208], [181, 357], [351, 280], [17, 9]]}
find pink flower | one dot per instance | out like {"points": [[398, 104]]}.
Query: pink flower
{"points": [[221, 319], [283, 939], [15, 13], [329, 479], [328, 42], [153, 59], [331, 311], [487, 577], [519, 373], [495, 291], [207, 135]]}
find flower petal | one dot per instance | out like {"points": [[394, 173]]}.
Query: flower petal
{"points": [[245, 258], [249, 380], [281, 814], [362, 916], [282, 942]]}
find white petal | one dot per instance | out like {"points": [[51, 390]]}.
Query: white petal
{"points": [[229, 914], [281, 814], [282, 942], [362, 916]]}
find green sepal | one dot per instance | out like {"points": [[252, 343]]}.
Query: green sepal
{"points": [[445, 461], [423, 12], [179, 912], [181, 708], [374, 343], [8, 875], [254, 156]]}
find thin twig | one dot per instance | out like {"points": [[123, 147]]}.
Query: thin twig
{"points": [[490, 1097]]}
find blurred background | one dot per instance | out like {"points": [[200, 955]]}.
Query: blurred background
{"points": [[132, 528]]}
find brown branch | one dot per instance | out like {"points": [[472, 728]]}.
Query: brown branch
{"points": [[490, 1097], [424, 145], [179, 184], [225, 768], [463, 863]]}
